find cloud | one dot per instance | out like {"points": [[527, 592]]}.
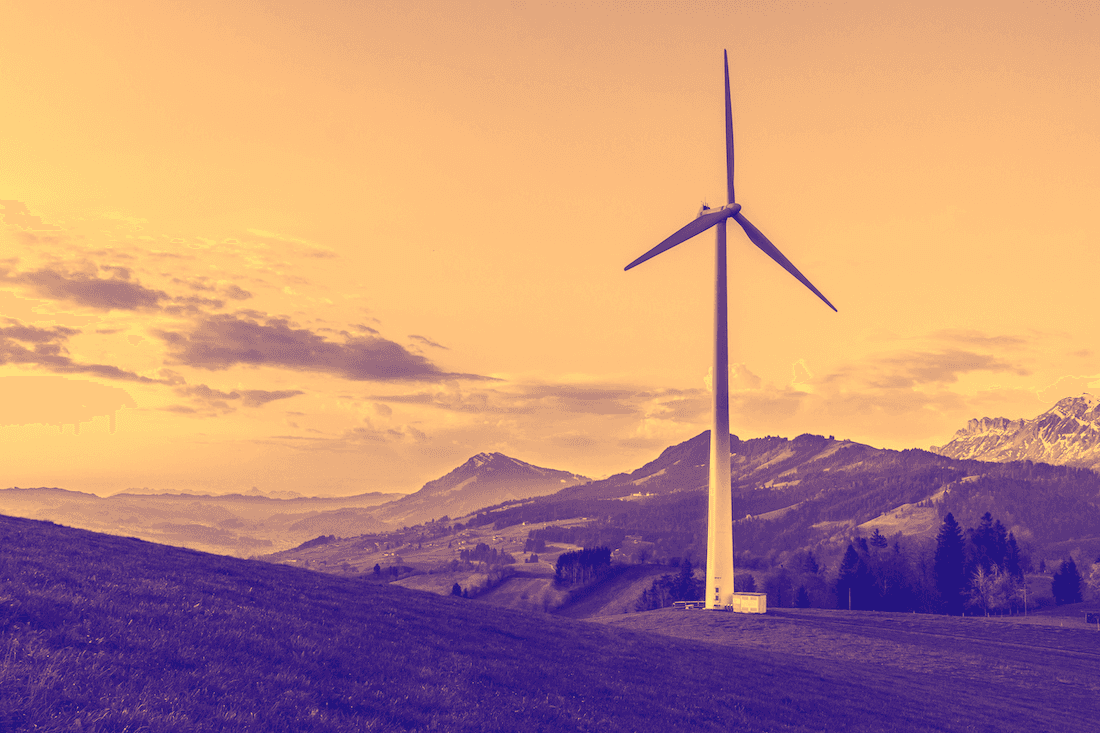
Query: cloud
{"points": [[298, 246], [558, 402], [222, 341], [115, 293], [205, 284], [27, 400], [46, 347], [351, 440], [120, 291], [248, 397], [975, 338], [896, 395], [741, 379], [906, 369], [235, 292], [427, 342]]}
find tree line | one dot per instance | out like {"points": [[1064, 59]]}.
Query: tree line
{"points": [[582, 566]]}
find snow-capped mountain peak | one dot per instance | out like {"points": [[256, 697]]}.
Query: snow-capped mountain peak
{"points": [[1067, 434]]}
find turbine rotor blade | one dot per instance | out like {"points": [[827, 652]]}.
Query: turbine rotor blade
{"points": [[729, 133], [699, 225], [772, 251]]}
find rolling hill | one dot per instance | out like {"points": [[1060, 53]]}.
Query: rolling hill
{"points": [[102, 633]]}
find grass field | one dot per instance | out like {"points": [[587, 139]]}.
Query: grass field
{"points": [[1025, 664], [101, 633]]}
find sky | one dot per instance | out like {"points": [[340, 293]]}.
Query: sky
{"points": [[337, 247]]}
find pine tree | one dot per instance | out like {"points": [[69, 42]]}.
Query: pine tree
{"points": [[1066, 583], [949, 568], [687, 588], [854, 585]]}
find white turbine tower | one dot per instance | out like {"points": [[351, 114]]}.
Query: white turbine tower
{"points": [[719, 583]]}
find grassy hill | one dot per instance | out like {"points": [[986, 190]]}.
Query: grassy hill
{"points": [[102, 633]]}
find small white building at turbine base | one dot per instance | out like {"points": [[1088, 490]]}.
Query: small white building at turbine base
{"points": [[749, 603]]}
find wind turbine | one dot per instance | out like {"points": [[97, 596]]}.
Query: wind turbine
{"points": [[719, 583]]}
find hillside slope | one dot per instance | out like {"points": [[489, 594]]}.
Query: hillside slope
{"points": [[102, 633]]}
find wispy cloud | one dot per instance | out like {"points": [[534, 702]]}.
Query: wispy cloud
{"points": [[427, 342], [228, 401], [975, 338]]}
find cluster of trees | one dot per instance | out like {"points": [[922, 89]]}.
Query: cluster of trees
{"points": [[977, 571], [582, 566], [668, 589], [981, 572], [482, 553]]}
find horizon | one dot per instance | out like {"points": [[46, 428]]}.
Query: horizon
{"points": [[294, 248]]}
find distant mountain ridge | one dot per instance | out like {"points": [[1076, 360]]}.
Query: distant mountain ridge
{"points": [[484, 480], [244, 524], [228, 524], [1067, 434]]}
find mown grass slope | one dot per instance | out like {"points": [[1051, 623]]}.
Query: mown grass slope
{"points": [[101, 633]]}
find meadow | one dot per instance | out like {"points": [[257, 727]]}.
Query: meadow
{"points": [[103, 633]]}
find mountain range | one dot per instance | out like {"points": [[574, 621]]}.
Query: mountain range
{"points": [[1067, 434], [249, 524], [816, 493], [229, 524], [799, 492]]}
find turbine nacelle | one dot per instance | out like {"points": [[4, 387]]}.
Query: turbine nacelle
{"points": [[731, 208]]}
